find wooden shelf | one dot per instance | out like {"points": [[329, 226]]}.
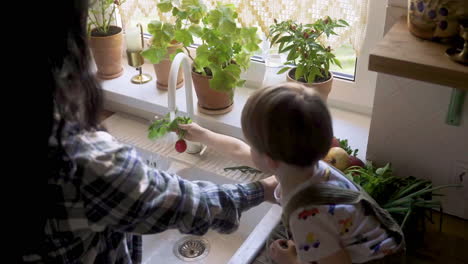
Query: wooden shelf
{"points": [[402, 54]]}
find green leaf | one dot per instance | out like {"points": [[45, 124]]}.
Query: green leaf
{"points": [[154, 27], [382, 171], [314, 71], [222, 18], [195, 30], [165, 5], [242, 59], [285, 39], [183, 36], [343, 22], [287, 48], [175, 11], [284, 69], [202, 58], [225, 79], [172, 55], [241, 83], [299, 72], [248, 38], [337, 62], [274, 39], [154, 55], [168, 32], [292, 54], [161, 127], [195, 10]]}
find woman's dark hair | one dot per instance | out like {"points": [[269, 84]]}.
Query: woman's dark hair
{"points": [[76, 92], [72, 92]]}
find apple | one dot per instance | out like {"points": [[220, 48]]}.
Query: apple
{"points": [[338, 158], [335, 142], [355, 161]]}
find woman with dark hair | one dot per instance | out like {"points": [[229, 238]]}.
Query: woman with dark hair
{"points": [[100, 195]]}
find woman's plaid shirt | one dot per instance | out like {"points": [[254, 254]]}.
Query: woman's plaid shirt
{"points": [[105, 197]]}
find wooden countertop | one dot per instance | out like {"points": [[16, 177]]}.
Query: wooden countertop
{"points": [[402, 54]]}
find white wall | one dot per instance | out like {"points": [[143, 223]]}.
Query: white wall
{"points": [[408, 129], [359, 96]]}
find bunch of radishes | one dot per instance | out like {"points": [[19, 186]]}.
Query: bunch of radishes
{"points": [[162, 126], [341, 156]]}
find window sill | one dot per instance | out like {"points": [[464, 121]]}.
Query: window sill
{"points": [[146, 101]]}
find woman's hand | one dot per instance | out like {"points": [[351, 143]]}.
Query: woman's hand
{"points": [[194, 132], [283, 252]]}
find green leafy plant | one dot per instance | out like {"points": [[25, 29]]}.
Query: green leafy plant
{"points": [[188, 17], [161, 127], [101, 14], [402, 197], [225, 50], [306, 53]]}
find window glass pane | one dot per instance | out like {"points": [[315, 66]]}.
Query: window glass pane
{"points": [[347, 56]]}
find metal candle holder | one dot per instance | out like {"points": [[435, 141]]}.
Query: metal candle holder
{"points": [[136, 60]]}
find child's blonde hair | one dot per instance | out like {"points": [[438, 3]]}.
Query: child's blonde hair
{"points": [[288, 122]]}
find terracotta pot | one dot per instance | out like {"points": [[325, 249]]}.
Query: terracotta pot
{"points": [[323, 88], [215, 102], [163, 68], [107, 53]]}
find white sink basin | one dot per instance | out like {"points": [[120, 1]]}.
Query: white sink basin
{"points": [[238, 247]]}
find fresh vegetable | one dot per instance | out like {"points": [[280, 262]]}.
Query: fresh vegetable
{"points": [[338, 158], [162, 126], [402, 197], [180, 145], [355, 161]]}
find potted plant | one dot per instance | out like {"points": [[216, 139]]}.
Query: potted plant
{"points": [[105, 38], [224, 53], [308, 60], [169, 39]]}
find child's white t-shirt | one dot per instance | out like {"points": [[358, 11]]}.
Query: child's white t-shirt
{"points": [[321, 231]]}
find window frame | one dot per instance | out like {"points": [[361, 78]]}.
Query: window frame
{"points": [[352, 95]]}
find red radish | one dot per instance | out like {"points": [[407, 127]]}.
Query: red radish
{"points": [[180, 145], [335, 143], [355, 161]]}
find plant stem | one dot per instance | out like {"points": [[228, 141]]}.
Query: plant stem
{"points": [[110, 19], [188, 53], [103, 12], [406, 218]]}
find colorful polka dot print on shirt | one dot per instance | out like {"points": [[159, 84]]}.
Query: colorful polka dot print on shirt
{"points": [[346, 225], [311, 242], [331, 209], [306, 213]]}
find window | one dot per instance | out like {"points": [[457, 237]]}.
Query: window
{"points": [[347, 57], [354, 86]]}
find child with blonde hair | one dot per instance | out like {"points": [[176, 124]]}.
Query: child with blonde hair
{"points": [[288, 129]]}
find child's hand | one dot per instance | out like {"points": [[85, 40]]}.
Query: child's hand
{"points": [[283, 251], [194, 132], [269, 186]]}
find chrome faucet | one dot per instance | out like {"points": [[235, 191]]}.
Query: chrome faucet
{"points": [[181, 58]]}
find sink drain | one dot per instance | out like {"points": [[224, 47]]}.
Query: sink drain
{"points": [[191, 248]]}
